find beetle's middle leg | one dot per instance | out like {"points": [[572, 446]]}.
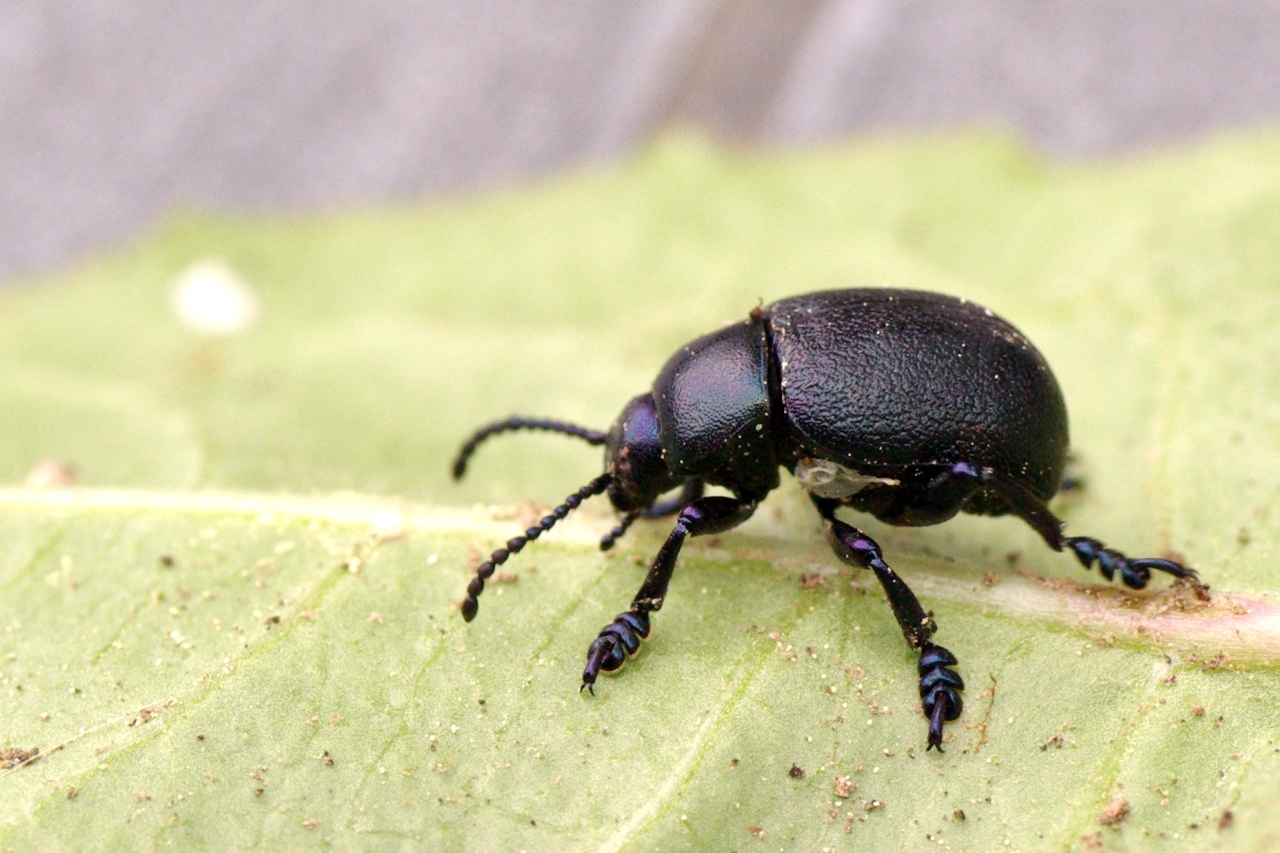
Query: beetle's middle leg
{"points": [[621, 638], [939, 684]]}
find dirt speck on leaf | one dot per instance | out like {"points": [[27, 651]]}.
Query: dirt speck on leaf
{"points": [[1092, 843], [845, 786], [16, 757], [1115, 811]]}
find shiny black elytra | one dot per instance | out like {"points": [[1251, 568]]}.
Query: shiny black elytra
{"points": [[906, 405]]}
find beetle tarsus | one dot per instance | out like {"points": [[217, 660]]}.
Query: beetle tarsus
{"points": [[1134, 572], [615, 645], [940, 713], [940, 688]]}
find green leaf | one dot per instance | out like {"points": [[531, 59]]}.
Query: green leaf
{"points": [[240, 627]]}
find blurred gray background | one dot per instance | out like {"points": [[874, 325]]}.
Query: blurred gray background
{"points": [[114, 114]]}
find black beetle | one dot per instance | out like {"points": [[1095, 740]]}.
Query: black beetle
{"points": [[906, 405]]}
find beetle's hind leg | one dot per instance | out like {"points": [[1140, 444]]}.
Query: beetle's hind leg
{"points": [[621, 638], [1134, 572], [940, 685]]}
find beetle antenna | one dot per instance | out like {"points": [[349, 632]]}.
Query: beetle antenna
{"points": [[590, 436], [485, 570]]}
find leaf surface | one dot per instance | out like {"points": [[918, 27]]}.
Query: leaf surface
{"points": [[240, 627]]}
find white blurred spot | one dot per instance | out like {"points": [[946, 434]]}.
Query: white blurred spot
{"points": [[52, 474], [209, 298]]}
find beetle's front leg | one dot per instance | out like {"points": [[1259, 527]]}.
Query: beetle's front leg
{"points": [[690, 491], [621, 638], [940, 685]]}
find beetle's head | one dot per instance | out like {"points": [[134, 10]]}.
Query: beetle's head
{"points": [[635, 475], [633, 454]]}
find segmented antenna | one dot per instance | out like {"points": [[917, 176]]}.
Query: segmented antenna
{"points": [[485, 570], [590, 436]]}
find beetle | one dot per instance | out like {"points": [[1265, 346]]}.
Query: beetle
{"points": [[906, 405]]}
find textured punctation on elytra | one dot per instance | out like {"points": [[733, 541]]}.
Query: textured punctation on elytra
{"points": [[908, 406]]}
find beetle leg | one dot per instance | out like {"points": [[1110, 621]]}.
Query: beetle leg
{"points": [[689, 492], [1135, 572], [607, 541], [1073, 479], [940, 685], [933, 500], [621, 638]]}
